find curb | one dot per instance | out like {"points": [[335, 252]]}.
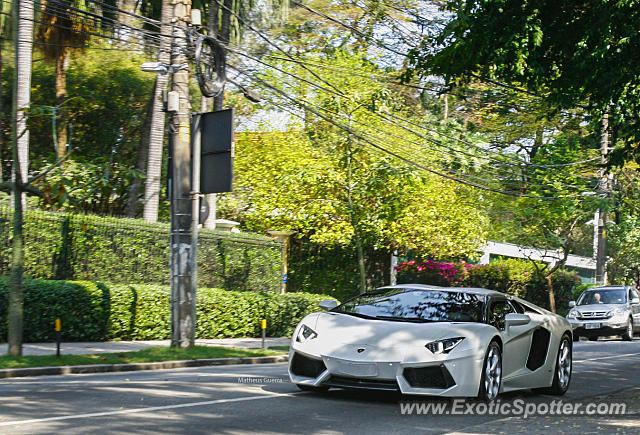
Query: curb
{"points": [[133, 367]]}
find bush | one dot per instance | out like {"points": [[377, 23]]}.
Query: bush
{"points": [[83, 307], [579, 289], [65, 246], [97, 311], [515, 277]]}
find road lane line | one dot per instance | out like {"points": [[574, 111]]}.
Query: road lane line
{"points": [[149, 409], [606, 357]]}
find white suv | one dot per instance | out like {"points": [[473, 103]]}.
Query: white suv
{"points": [[604, 311]]}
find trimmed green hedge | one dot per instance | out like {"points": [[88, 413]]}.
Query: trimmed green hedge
{"points": [[66, 246], [98, 311]]}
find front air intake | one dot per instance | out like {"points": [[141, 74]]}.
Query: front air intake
{"points": [[308, 367], [429, 377]]}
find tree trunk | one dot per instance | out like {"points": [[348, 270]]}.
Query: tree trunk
{"points": [[22, 15], [62, 64], [156, 128], [1, 117], [552, 295], [445, 115], [225, 37], [218, 100], [141, 164], [361, 266], [212, 23]]}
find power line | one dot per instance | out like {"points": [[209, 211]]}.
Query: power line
{"points": [[348, 129], [381, 115]]}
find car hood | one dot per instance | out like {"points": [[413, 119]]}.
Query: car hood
{"points": [[343, 329], [598, 307]]}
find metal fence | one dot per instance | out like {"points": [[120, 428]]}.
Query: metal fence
{"points": [[122, 250]]}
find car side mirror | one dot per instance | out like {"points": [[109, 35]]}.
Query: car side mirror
{"points": [[635, 301], [328, 305], [516, 319], [572, 304]]}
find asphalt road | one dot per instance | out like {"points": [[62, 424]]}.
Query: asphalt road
{"points": [[259, 399]]}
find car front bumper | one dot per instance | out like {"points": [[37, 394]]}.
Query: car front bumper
{"points": [[605, 327], [437, 375]]}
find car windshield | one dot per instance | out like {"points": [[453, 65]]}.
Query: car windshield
{"points": [[600, 296], [415, 305]]}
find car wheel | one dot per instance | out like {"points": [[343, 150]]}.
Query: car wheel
{"points": [[563, 368], [491, 378], [312, 388], [628, 335]]}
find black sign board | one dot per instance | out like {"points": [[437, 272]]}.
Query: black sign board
{"points": [[214, 130]]}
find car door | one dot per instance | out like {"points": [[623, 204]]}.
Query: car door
{"points": [[634, 307], [516, 340]]}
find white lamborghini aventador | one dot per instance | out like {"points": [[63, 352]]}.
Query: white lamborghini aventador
{"points": [[417, 339]]}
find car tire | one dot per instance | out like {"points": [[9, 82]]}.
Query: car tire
{"points": [[628, 335], [312, 388], [562, 370], [491, 378]]}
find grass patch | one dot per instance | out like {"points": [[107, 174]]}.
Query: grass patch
{"points": [[281, 348], [152, 354]]}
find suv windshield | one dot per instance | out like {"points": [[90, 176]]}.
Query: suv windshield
{"points": [[415, 305], [602, 296]]}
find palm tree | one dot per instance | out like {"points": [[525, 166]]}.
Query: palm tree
{"points": [[60, 33], [22, 28], [156, 126]]}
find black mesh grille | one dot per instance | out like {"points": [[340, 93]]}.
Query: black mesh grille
{"points": [[429, 377], [305, 366], [375, 384], [539, 347]]}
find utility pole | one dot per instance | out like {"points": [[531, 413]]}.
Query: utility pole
{"points": [[183, 298], [601, 215]]}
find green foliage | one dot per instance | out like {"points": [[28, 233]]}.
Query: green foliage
{"points": [[333, 270], [98, 311], [515, 277], [73, 246], [334, 187], [579, 290], [570, 51], [625, 246], [83, 307]]}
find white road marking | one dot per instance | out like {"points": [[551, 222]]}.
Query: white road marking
{"points": [[606, 357], [150, 409], [163, 380]]}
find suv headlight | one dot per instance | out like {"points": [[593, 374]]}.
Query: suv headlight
{"points": [[305, 334], [617, 312], [572, 314], [443, 346]]}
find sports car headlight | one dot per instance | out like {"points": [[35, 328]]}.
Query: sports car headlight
{"points": [[443, 346], [305, 334]]}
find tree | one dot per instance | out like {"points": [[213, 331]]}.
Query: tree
{"points": [[156, 125], [22, 14], [625, 246], [571, 52], [58, 34]]}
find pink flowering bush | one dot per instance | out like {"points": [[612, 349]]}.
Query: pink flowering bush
{"points": [[516, 277]]}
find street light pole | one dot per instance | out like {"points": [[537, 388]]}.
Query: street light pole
{"points": [[183, 307]]}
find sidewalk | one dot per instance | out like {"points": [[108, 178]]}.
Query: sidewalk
{"points": [[132, 346]]}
